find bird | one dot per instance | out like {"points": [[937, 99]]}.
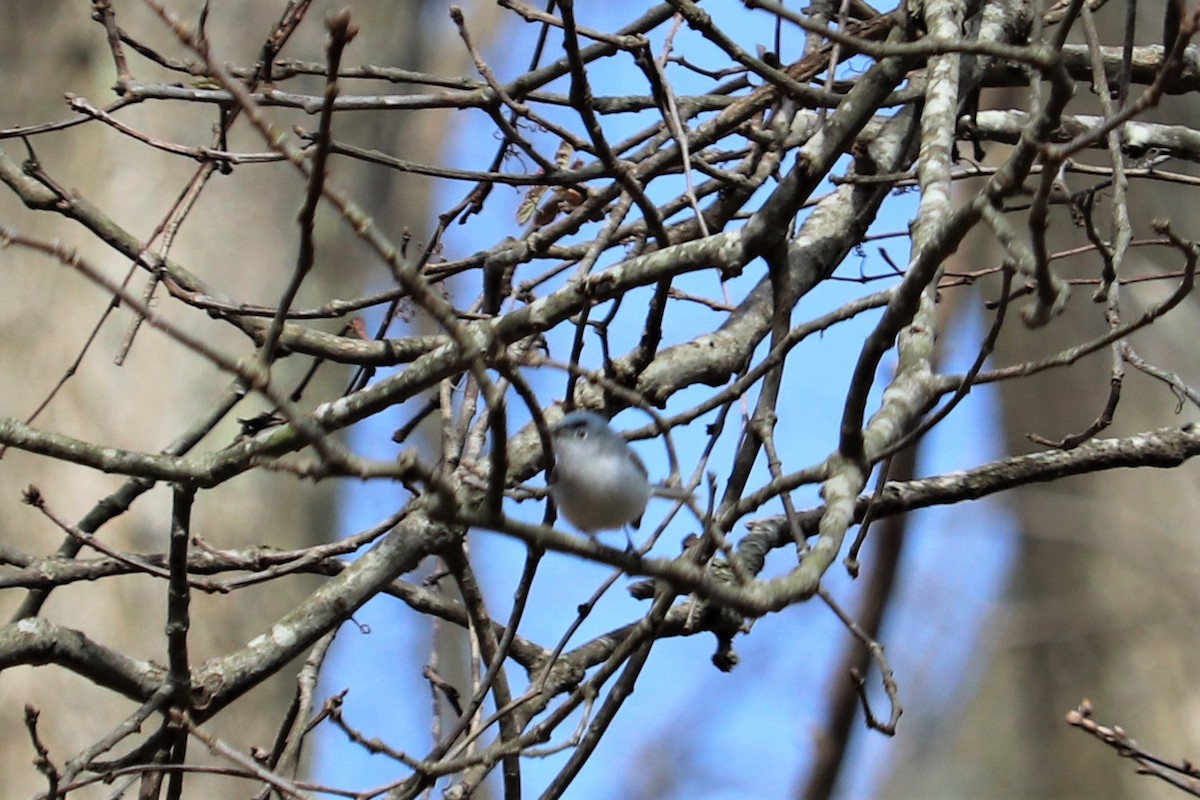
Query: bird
{"points": [[597, 481]]}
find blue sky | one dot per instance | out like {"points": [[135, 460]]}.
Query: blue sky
{"points": [[761, 718]]}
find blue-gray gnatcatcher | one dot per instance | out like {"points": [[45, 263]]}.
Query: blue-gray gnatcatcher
{"points": [[598, 482]]}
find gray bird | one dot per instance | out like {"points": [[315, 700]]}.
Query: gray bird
{"points": [[598, 482]]}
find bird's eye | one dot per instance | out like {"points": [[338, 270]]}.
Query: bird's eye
{"points": [[580, 433]]}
